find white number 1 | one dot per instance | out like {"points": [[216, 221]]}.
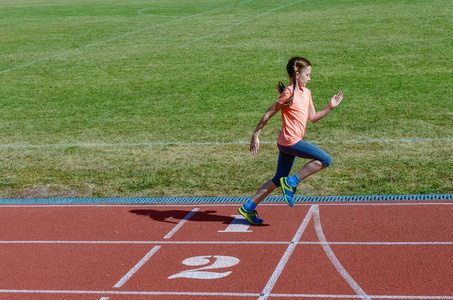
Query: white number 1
{"points": [[239, 224]]}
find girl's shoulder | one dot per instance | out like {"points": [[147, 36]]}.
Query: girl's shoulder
{"points": [[306, 92]]}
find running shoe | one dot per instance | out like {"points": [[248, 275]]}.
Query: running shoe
{"points": [[288, 191], [251, 216]]}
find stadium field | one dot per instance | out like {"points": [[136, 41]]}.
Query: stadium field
{"points": [[110, 98]]}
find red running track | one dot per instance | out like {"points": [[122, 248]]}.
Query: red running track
{"points": [[391, 250]]}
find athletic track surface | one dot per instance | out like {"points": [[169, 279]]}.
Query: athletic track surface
{"points": [[180, 250]]}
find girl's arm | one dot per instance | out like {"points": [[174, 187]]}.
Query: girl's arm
{"points": [[316, 116], [255, 142]]}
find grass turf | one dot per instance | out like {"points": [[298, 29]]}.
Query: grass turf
{"points": [[107, 72]]}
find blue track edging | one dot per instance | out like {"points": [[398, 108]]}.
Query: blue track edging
{"points": [[185, 200]]}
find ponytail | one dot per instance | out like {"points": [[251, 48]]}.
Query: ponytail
{"points": [[280, 87], [295, 64]]}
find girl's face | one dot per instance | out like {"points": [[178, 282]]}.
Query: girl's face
{"points": [[304, 76]]}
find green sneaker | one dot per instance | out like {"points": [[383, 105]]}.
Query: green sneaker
{"points": [[251, 216], [288, 191]]}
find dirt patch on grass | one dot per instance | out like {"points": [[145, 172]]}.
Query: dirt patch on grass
{"points": [[46, 192]]}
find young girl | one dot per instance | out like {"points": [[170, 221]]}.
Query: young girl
{"points": [[296, 106]]}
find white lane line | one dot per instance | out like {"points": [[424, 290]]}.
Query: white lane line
{"points": [[136, 267], [281, 265], [232, 242], [381, 243], [239, 23], [181, 223], [214, 143], [289, 296], [352, 283], [147, 242], [128, 293], [392, 297], [71, 51]]}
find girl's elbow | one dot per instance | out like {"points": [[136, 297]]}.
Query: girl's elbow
{"points": [[313, 117]]}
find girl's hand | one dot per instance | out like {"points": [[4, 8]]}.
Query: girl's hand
{"points": [[254, 144], [336, 100]]}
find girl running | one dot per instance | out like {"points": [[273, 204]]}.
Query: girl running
{"points": [[296, 106]]}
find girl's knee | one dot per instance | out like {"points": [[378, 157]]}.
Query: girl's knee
{"points": [[326, 161]]}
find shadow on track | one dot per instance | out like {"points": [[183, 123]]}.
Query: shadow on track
{"points": [[174, 216]]}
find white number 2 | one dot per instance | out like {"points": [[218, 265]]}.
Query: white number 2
{"points": [[220, 262]]}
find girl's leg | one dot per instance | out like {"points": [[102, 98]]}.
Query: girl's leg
{"points": [[321, 160], [263, 192], [309, 151], [310, 169], [284, 165]]}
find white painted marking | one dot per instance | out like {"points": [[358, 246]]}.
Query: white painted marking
{"points": [[382, 243], [229, 242], [181, 223], [71, 51], [232, 243], [239, 23], [214, 143], [136, 267], [352, 283], [220, 262], [78, 292], [141, 12], [147, 242], [281, 265], [393, 297], [239, 224], [105, 298]]}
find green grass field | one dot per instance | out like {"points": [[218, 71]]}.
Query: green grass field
{"points": [[118, 98]]}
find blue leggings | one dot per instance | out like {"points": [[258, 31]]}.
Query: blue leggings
{"points": [[302, 149]]}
